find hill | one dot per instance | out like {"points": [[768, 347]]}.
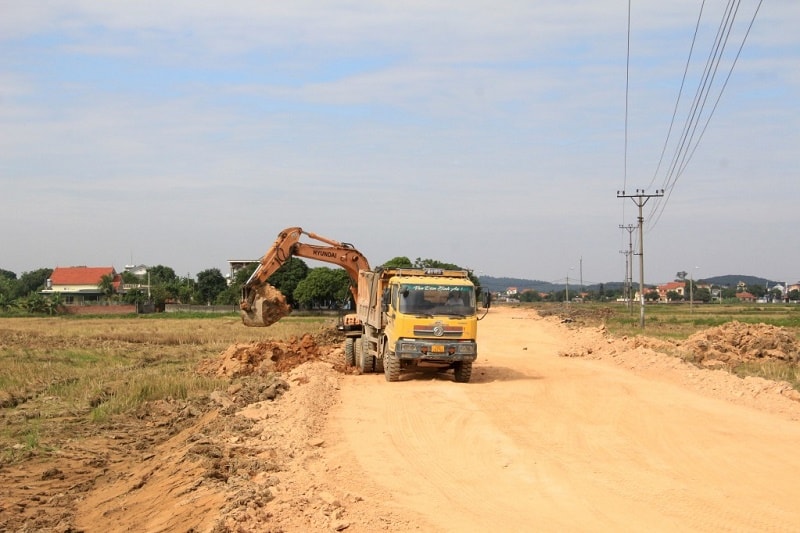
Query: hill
{"points": [[502, 284], [731, 280]]}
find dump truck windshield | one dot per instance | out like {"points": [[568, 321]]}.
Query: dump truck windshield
{"points": [[436, 299]]}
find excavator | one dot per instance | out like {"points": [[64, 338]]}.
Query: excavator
{"points": [[263, 305]]}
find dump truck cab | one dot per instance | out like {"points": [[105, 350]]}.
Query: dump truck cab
{"points": [[416, 317]]}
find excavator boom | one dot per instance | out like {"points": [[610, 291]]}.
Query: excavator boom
{"points": [[262, 304]]}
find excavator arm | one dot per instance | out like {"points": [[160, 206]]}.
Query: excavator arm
{"points": [[262, 304]]}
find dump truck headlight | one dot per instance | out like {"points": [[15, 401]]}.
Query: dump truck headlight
{"points": [[466, 349]]}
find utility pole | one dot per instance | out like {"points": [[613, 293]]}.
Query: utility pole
{"points": [[640, 198], [629, 266], [625, 286]]}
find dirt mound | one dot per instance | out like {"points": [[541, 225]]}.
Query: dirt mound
{"points": [[265, 357], [736, 342]]}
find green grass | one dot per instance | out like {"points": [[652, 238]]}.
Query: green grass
{"points": [[677, 322]]}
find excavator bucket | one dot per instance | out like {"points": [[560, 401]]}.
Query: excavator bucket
{"points": [[267, 307]]}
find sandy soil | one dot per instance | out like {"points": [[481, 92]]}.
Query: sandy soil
{"points": [[562, 428]]}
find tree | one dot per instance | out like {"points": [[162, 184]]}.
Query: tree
{"points": [[161, 275], [8, 291], [398, 262], [6, 302], [794, 295], [130, 278], [106, 285], [653, 296], [210, 283], [728, 293], [529, 295], [757, 290], [7, 274], [288, 277], [53, 304], [35, 303], [34, 281], [702, 294], [681, 276], [323, 286], [674, 296], [185, 290], [689, 288], [135, 296]]}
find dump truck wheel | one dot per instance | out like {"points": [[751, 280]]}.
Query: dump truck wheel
{"points": [[350, 351], [391, 366], [463, 371], [365, 361]]}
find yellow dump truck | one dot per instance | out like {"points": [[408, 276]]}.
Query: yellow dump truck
{"points": [[414, 317]]}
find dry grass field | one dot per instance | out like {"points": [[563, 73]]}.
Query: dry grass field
{"points": [[77, 374]]}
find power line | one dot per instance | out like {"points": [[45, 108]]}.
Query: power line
{"points": [[690, 138], [680, 92], [627, 88]]}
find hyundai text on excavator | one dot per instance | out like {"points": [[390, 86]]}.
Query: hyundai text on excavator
{"points": [[405, 317]]}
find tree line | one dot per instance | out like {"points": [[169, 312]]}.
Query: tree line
{"points": [[303, 287]]}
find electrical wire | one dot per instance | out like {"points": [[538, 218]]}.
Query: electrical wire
{"points": [[695, 111], [680, 92], [627, 89], [692, 132]]}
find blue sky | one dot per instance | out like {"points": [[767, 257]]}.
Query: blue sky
{"points": [[490, 135]]}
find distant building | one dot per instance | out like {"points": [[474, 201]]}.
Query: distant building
{"points": [[80, 285], [678, 287], [236, 265], [745, 296], [140, 271]]}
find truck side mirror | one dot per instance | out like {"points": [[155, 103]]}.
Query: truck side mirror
{"points": [[487, 300]]}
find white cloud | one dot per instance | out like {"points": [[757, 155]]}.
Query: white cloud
{"points": [[158, 121]]}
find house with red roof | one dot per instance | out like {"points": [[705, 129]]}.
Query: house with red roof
{"points": [[678, 287], [745, 296], [80, 285]]}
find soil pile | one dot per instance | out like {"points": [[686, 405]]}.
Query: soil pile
{"points": [[264, 358], [737, 342], [269, 306]]}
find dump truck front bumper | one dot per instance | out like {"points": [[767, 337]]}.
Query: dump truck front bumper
{"points": [[433, 350]]}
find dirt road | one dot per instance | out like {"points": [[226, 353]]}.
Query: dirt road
{"points": [[548, 443]]}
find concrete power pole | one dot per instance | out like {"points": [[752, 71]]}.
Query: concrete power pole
{"points": [[640, 198], [629, 266]]}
